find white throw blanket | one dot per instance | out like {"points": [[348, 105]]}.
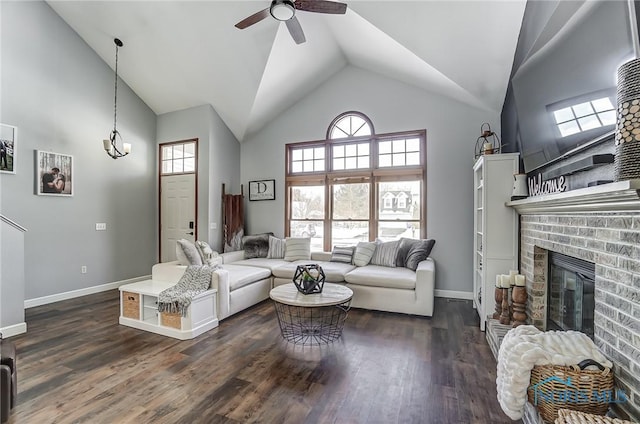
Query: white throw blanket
{"points": [[526, 346]]}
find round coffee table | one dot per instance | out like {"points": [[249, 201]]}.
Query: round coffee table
{"points": [[311, 319]]}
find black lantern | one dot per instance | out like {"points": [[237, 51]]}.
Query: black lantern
{"points": [[309, 279]]}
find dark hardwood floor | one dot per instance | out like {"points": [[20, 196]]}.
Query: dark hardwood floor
{"points": [[76, 364]]}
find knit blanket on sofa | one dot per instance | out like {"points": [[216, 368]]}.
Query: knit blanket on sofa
{"points": [[526, 346], [195, 280]]}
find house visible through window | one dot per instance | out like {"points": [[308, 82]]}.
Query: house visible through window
{"points": [[356, 185], [585, 116]]}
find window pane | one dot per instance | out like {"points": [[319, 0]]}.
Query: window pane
{"points": [[178, 151], [166, 167], [363, 149], [569, 128], [413, 145], [307, 154], [189, 149], [177, 165], [318, 164], [296, 167], [189, 164], [608, 118], [337, 133], [307, 202], [311, 229], [603, 104], [398, 159], [345, 125], [398, 146], [351, 150], [395, 230], [563, 115], [167, 152], [583, 109], [413, 158], [363, 162], [384, 160], [362, 131], [296, 154], [351, 201], [349, 233], [308, 166], [351, 163], [319, 152], [384, 147], [589, 122], [399, 200], [338, 151], [338, 164]]}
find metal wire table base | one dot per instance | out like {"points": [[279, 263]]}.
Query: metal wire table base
{"points": [[312, 325]]}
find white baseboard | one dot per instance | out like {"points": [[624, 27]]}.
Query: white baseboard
{"points": [[13, 330], [454, 294], [44, 300]]}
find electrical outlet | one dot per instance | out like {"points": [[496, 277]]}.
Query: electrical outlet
{"points": [[83, 269], [101, 226]]}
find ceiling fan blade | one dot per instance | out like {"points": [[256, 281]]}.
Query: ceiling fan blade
{"points": [[253, 19], [321, 6], [293, 25]]}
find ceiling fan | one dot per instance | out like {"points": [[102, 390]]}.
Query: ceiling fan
{"points": [[285, 10]]}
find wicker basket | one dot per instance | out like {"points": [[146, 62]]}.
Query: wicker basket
{"points": [[566, 416], [171, 320], [131, 305], [554, 387]]}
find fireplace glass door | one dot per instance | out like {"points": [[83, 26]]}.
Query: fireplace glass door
{"points": [[570, 303]]}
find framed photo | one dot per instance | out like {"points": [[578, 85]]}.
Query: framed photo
{"points": [[8, 148], [262, 190], [54, 174]]}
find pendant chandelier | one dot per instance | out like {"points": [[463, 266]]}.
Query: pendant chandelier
{"points": [[111, 145]]}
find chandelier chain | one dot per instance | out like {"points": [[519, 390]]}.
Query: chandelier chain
{"points": [[115, 96]]}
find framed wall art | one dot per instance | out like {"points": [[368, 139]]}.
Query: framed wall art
{"points": [[54, 174], [8, 148], [262, 190]]}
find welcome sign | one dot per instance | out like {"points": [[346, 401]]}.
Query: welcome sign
{"points": [[538, 187]]}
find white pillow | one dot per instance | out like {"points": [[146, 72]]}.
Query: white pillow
{"points": [[277, 248], [297, 249], [363, 253], [206, 253], [187, 253]]}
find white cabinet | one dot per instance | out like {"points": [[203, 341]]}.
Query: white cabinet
{"points": [[495, 239]]}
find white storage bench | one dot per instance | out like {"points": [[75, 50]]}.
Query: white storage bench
{"points": [[139, 309]]}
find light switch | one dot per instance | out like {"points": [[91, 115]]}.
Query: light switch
{"points": [[213, 226]]}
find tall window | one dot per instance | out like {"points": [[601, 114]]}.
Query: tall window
{"points": [[356, 185]]}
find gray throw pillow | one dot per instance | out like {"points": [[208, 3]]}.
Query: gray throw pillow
{"points": [[187, 252], [256, 246], [363, 253], [418, 253], [385, 254], [276, 248], [403, 249], [342, 254]]}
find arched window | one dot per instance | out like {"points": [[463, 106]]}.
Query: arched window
{"points": [[356, 185]]}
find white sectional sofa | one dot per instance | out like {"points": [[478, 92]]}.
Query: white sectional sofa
{"points": [[242, 283]]}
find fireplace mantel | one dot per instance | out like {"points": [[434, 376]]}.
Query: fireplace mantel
{"points": [[612, 197]]}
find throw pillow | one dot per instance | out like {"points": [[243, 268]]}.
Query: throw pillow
{"points": [[385, 254], [256, 246], [276, 248], [297, 249], [363, 253], [418, 253], [206, 252], [405, 245], [187, 253], [342, 254]]}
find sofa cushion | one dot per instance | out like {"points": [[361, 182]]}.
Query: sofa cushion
{"points": [[382, 276], [276, 248], [266, 263], [342, 254], [297, 249], [403, 248], [187, 253], [363, 253], [240, 276], [386, 253], [334, 272], [256, 246], [418, 253]]}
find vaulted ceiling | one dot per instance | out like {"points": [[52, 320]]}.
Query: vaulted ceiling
{"points": [[180, 54]]}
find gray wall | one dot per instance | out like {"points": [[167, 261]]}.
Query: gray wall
{"points": [[218, 162], [59, 94], [452, 130]]}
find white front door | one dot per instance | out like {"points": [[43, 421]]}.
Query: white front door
{"points": [[177, 212]]}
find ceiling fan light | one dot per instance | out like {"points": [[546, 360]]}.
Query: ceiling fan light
{"points": [[283, 11]]}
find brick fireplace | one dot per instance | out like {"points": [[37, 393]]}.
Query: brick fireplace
{"points": [[600, 225]]}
